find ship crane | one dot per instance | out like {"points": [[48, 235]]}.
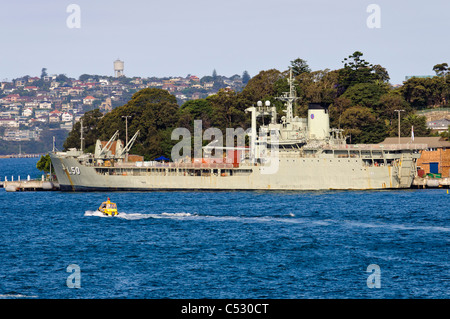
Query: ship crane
{"points": [[108, 145], [127, 148]]}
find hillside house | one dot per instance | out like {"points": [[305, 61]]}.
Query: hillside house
{"points": [[89, 100]]}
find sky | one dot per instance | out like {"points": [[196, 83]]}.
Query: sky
{"points": [[179, 37]]}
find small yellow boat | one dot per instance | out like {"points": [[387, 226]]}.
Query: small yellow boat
{"points": [[108, 208]]}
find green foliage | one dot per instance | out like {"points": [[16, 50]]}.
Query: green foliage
{"points": [[44, 163], [446, 134], [365, 94], [154, 112], [423, 93], [43, 72], [62, 78], [362, 125], [357, 70], [261, 86], [418, 122], [226, 110], [362, 103], [92, 131], [441, 69], [299, 66], [200, 109], [318, 86], [245, 77]]}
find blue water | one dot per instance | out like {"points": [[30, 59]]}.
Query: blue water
{"points": [[224, 244]]}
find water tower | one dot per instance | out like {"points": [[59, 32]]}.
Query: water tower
{"points": [[118, 68]]}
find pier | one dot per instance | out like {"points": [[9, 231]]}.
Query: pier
{"points": [[426, 182], [29, 185], [21, 155]]}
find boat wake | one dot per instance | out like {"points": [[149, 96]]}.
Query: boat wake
{"points": [[15, 296], [182, 215], [136, 216], [288, 218]]}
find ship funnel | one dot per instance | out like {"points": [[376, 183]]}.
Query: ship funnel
{"points": [[318, 121]]}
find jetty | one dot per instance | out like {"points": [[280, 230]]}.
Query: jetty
{"points": [[426, 182], [21, 155], [29, 185]]}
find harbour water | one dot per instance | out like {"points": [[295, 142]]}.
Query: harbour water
{"points": [[223, 244]]}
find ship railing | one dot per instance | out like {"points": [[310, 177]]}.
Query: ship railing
{"points": [[408, 146], [176, 165]]}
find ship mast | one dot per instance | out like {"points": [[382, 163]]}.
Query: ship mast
{"points": [[289, 98], [81, 136]]}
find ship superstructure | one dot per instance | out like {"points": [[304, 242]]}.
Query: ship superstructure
{"points": [[291, 154]]}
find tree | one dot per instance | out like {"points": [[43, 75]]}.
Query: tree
{"points": [[316, 87], [441, 69], [43, 72], [363, 127], [339, 106], [365, 94], [84, 77], [245, 77], [390, 102], [381, 74], [154, 112], [44, 163], [261, 86], [418, 122], [200, 109], [226, 110], [446, 134], [357, 70], [62, 78], [91, 120], [299, 66], [426, 92]]}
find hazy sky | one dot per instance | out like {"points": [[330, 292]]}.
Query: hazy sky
{"points": [[179, 37]]}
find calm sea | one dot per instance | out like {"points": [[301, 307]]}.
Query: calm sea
{"points": [[223, 244]]}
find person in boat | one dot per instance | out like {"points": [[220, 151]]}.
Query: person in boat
{"points": [[108, 208]]}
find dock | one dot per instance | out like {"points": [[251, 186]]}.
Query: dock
{"points": [[29, 185], [21, 155], [426, 182]]}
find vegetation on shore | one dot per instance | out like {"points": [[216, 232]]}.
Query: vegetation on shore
{"points": [[363, 104]]}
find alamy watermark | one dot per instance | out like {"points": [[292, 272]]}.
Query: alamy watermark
{"points": [[73, 21], [374, 279], [74, 279], [374, 19]]}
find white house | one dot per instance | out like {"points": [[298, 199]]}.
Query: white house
{"points": [[54, 116], [31, 104], [9, 123], [45, 105], [66, 117], [88, 100], [27, 112]]}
